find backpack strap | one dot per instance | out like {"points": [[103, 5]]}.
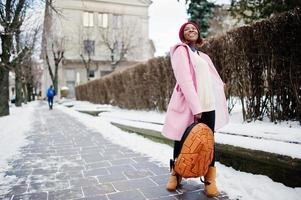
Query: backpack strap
{"points": [[204, 181], [186, 132]]}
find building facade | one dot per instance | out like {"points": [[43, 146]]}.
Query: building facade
{"points": [[222, 21], [96, 36]]}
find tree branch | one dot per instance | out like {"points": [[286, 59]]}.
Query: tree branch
{"points": [[49, 66], [84, 61], [16, 22]]}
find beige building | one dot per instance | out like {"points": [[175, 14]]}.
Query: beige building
{"points": [[97, 36]]}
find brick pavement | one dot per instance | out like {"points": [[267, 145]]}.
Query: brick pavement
{"points": [[66, 160]]}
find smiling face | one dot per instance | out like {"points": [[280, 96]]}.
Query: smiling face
{"points": [[191, 33]]}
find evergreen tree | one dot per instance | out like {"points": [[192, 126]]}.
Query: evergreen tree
{"points": [[252, 10], [201, 11]]}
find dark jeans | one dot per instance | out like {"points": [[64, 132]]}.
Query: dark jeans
{"points": [[50, 102], [207, 118]]}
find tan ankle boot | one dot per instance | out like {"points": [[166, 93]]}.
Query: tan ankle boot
{"points": [[173, 181], [210, 184]]}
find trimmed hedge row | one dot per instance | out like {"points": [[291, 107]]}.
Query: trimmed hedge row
{"points": [[145, 86], [261, 64]]}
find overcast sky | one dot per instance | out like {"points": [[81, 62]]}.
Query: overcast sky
{"points": [[166, 17]]}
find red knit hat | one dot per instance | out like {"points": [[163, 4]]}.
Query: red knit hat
{"points": [[181, 32]]}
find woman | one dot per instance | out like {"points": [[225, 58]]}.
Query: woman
{"points": [[198, 95]]}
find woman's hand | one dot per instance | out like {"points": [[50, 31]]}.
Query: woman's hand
{"points": [[197, 117]]}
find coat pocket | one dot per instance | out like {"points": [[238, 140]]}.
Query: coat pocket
{"points": [[177, 101]]}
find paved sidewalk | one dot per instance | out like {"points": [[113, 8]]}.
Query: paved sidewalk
{"points": [[66, 160]]}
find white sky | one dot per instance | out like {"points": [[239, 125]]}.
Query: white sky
{"points": [[166, 17]]}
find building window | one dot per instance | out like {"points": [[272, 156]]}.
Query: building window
{"points": [[89, 47], [91, 73], [88, 19], [117, 20], [103, 20]]}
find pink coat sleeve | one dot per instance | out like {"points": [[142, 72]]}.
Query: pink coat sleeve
{"points": [[181, 67]]}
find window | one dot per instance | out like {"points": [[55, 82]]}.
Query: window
{"points": [[91, 73], [89, 47], [88, 19], [103, 20]]}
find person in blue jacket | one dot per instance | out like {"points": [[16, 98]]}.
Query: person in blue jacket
{"points": [[50, 94]]}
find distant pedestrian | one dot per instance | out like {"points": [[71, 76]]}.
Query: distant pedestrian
{"points": [[198, 96], [50, 95]]}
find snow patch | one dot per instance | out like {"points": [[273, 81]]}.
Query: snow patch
{"points": [[12, 134], [236, 184]]}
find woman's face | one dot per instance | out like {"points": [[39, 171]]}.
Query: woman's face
{"points": [[191, 33]]}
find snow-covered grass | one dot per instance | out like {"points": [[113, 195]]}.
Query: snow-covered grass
{"points": [[12, 136], [237, 185]]}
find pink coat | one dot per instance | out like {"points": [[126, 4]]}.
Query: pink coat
{"points": [[184, 102]]}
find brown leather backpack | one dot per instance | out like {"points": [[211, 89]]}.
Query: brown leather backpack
{"points": [[196, 152]]}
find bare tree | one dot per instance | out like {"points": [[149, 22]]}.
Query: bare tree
{"points": [[37, 73], [57, 48], [25, 43], [12, 14], [87, 52], [119, 41], [89, 48], [53, 47], [31, 78], [46, 27], [17, 67], [27, 64], [49, 12]]}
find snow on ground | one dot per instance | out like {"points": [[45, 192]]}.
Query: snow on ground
{"points": [[12, 137], [238, 185], [282, 138], [287, 130], [258, 138]]}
